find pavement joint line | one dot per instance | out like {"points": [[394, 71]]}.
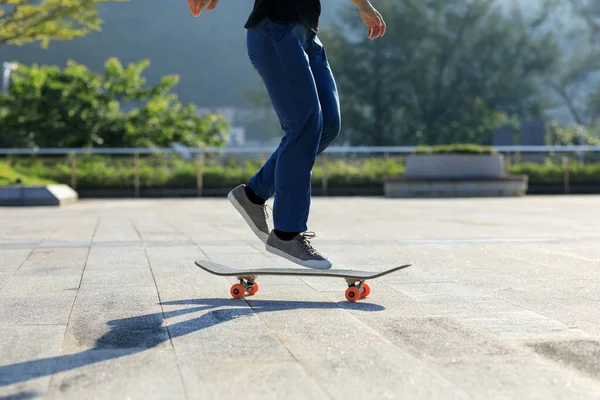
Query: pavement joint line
{"points": [[36, 246], [162, 311], [18, 268], [52, 245], [166, 325], [64, 335]]}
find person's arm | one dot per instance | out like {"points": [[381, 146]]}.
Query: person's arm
{"points": [[371, 17]]}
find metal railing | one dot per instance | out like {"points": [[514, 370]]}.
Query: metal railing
{"points": [[270, 149], [560, 155]]}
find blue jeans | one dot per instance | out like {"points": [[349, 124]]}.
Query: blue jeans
{"points": [[293, 65]]}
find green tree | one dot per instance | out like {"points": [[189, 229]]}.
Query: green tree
{"points": [[578, 72], [25, 21], [558, 135], [446, 71], [74, 107]]}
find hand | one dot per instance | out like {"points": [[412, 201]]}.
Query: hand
{"points": [[197, 6], [373, 20]]}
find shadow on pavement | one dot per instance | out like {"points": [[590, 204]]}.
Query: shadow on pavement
{"points": [[136, 334], [21, 396]]}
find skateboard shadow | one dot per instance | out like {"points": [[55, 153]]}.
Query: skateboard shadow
{"points": [[133, 335]]}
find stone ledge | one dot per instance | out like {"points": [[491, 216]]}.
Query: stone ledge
{"points": [[514, 185], [50, 195], [454, 166]]}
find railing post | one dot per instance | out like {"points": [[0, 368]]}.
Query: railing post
{"points": [[74, 171], [386, 161], [199, 165], [566, 177], [136, 181], [324, 180], [507, 163], [9, 160]]}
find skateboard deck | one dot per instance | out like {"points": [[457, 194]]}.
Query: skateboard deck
{"points": [[357, 288]]}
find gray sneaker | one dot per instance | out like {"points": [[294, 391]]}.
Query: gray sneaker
{"points": [[298, 250], [255, 215]]}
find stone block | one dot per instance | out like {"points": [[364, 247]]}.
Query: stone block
{"points": [[49, 195], [422, 166]]}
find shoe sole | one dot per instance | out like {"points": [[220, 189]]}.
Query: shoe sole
{"points": [[260, 234], [307, 264]]}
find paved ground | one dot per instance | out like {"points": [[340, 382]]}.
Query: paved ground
{"points": [[101, 300]]}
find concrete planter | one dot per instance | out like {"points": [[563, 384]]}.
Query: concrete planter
{"points": [[50, 195], [455, 175], [454, 166], [506, 186]]}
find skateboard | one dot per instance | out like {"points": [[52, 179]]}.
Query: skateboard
{"points": [[357, 287]]}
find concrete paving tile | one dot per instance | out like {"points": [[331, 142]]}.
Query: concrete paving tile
{"points": [[117, 276], [4, 277], [254, 379], [222, 331], [115, 317], [525, 377], [24, 286], [523, 325], [11, 259], [346, 357], [116, 256], [59, 255], [66, 235], [581, 355], [229, 249], [22, 348], [439, 338], [36, 309], [115, 229], [50, 269], [110, 374], [572, 310]]}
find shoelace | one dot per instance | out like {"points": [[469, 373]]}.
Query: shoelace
{"points": [[264, 209], [305, 241]]}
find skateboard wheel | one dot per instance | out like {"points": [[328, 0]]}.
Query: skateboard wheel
{"points": [[366, 291], [253, 289], [237, 291], [352, 294]]}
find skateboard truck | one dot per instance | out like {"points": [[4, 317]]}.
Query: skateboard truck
{"points": [[247, 285], [354, 291]]}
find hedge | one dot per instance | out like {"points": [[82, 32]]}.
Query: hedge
{"points": [[8, 176], [98, 173], [458, 148]]}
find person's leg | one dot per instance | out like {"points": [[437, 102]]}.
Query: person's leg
{"points": [[263, 183], [328, 93], [278, 54]]}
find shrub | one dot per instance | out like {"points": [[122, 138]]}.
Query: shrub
{"points": [[455, 149]]}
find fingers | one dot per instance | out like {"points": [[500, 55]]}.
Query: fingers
{"points": [[197, 6], [378, 30], [375, 24], [212, 5]]}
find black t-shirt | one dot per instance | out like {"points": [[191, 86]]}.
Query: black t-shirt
{"points": [[285, 11]]}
